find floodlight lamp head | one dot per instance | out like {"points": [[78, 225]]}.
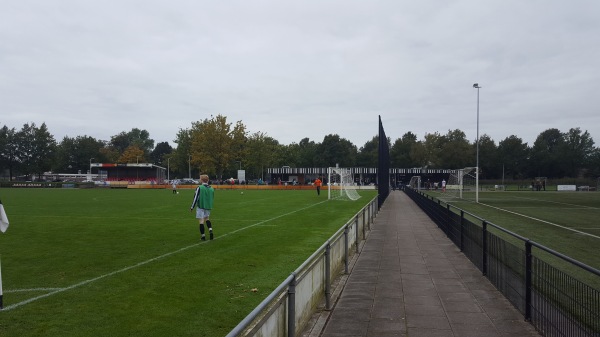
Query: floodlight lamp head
{"points": [[476, 86]]}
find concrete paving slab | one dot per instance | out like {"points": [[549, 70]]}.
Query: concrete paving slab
{"points": [[411, 280]]}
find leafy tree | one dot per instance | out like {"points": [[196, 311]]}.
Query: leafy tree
{"points": [[335, 150], [594, 163], [109, 154], [137, 137], [239, 138], [216, 144], [141, 139], [160, 153], [217, 147], [260, 154], [308, 153], [488, 158], [9, 156], [514, 155], [76, 154], [132, 154], [36, 149], [418, 154], [578, 149], [302, 154], [288, 155], [180, 156], [433, 148], [454, 151], [368, 154], [401, 149], [65, 156], [546, 154], [119, 142]]}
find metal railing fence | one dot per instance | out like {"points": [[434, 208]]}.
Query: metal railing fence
{"points": [[544, 285], [290, 306]]}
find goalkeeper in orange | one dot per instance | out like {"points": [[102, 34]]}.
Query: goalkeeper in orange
{"points": [[318, 184], [203, 201]]}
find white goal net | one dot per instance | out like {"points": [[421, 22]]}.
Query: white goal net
{"points": [[415, 182], [341, 184], [461, 183]]}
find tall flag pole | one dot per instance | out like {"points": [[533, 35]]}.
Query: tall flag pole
{"points": [[3, 219]]}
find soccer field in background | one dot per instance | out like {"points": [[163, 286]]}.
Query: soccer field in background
{"points": [[99, 262], [567, 222]]}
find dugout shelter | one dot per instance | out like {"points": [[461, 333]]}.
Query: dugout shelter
{"points": [[129, 173]]}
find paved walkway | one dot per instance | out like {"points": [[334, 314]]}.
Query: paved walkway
{"points": [[411, 280]]}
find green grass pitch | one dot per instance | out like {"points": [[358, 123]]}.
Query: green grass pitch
{"points": [[567, 222], [97, 262]]}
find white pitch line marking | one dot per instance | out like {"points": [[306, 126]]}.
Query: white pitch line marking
{"points": [[59, 290], [540, 220], [31, 289], [558, 202], [544, 221]]}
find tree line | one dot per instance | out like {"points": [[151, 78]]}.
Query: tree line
{"points": [[218, 147]]}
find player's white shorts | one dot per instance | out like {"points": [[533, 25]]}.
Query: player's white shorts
{"points": [[202, 213]]}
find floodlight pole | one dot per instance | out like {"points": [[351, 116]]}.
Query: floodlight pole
{"points": [[168, 168], [476, 86], [190, 166]]}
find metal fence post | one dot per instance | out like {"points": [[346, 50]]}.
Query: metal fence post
{"points": [[292, 307], [448, 221], [364, 228], [462, 234], [373, 208], [328, 276], [356, 232], [371, 212], [484, 248], [528, 279], [346, 253]]}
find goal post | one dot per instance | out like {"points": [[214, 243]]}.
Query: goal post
{"points": [[415, 182], [340, 184], [462, 181]]}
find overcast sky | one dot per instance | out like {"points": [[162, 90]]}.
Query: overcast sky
{"points": [[301, 69]]}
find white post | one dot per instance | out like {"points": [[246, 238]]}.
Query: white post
{"points": [[476, 86], [329, 183], [89, 177], [477, 168]]}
